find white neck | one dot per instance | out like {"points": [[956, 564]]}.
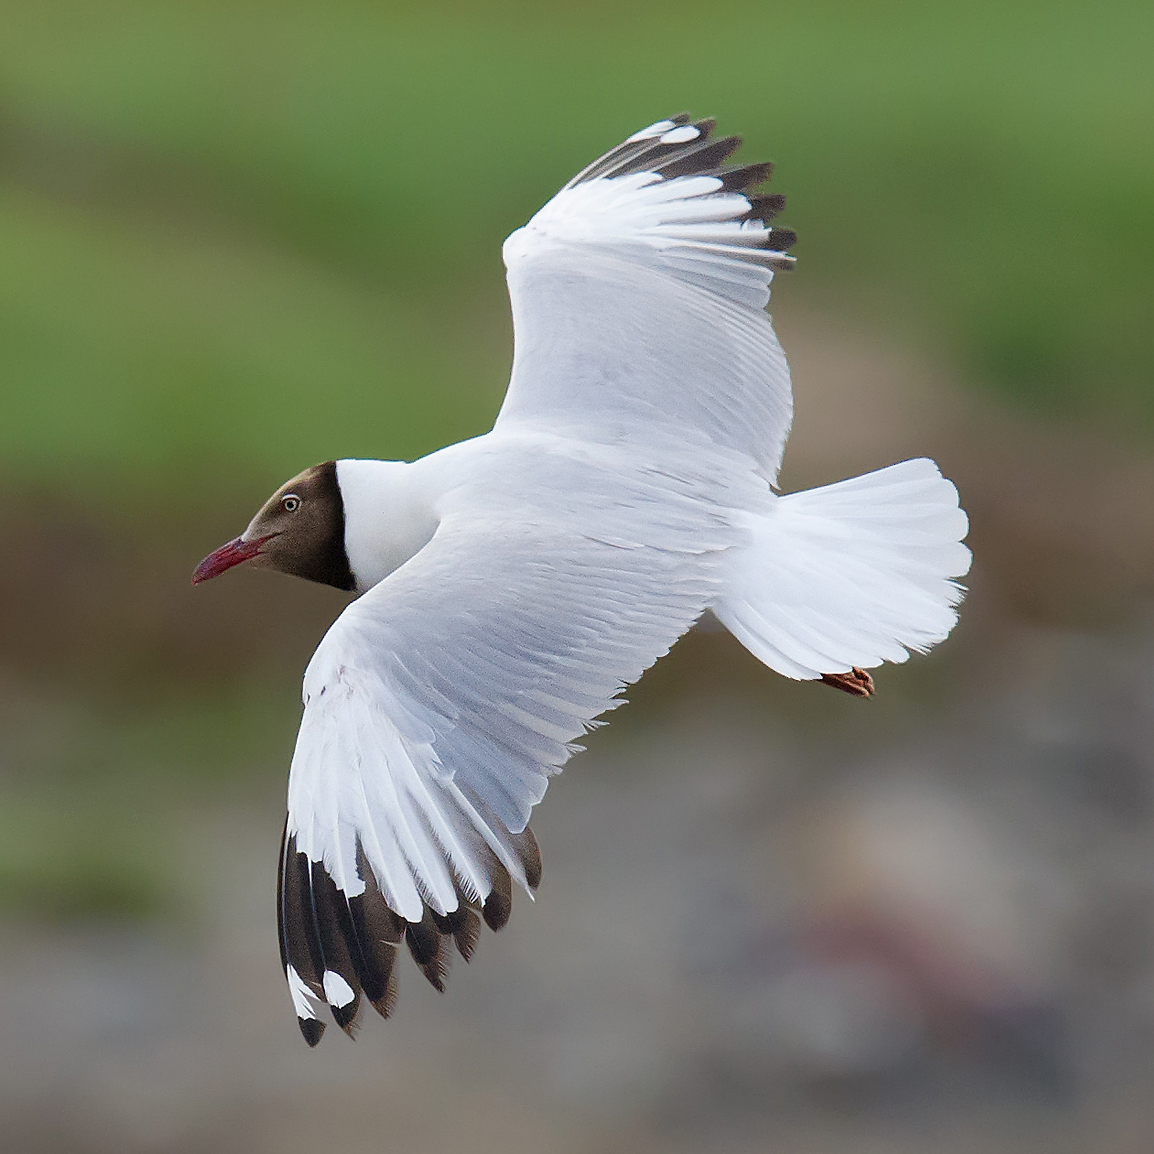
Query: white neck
{"points": [[387, 517]]}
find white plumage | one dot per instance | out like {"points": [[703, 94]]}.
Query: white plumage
{"points": [[514, 584], [852, 574]]}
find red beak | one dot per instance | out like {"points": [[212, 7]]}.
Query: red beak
{"points": [[226, 557]]}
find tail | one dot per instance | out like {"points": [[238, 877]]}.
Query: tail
{"points": [[852, 574]]}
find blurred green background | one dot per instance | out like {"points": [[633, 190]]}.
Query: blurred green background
{"points": [[243, 236], [237, 238]]}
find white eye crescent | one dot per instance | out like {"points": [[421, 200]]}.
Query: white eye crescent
{"points": [[290, 502]]}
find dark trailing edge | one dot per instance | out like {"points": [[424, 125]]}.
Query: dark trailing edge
{"points": [[701, 156]]}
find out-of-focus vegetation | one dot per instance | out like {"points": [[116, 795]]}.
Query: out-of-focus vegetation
{"points": [[261, 234]]}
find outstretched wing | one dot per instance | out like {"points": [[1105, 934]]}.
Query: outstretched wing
{"points": [[638, 297], [440, 702]]}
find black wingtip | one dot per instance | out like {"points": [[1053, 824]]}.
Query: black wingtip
{"points": [[333, 941], [348, 1017], [741, 177], [696, 153], [701, 156], [466, 936], [312, 1030], [765, 208], [499, 904], [428, 951], [462, 925], [377, 930], [451, 922], [530, 854], [387, 1002], [781, 238]]}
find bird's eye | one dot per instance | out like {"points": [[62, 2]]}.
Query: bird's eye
{"points": [[291, 503]]}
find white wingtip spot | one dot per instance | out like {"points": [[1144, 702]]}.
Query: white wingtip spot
{"points": [[338, 992], [305, 1002], [680, 134], [653, 130]]}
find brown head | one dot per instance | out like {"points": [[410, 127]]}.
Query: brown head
{"points": [[300, 530]]}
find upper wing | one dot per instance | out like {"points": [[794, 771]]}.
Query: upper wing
{"points": [[439, 703], [638, 297]]}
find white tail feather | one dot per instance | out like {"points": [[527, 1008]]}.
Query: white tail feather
{"points": [[852, 574]]}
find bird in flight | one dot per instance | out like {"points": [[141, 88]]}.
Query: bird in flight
{"points": [[511, 586]]}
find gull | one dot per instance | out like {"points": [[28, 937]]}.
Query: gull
{"points": [[511, 586]]}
